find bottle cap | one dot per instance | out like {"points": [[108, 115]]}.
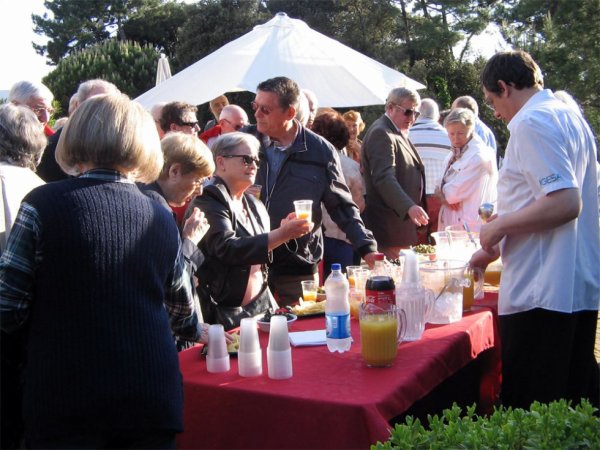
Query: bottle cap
{"points": [[379, 256], [336, 266]]}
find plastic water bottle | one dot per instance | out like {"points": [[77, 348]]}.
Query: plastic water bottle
{"points": [[337, 311]]}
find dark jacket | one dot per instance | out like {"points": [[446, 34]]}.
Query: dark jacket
{"points": [[394, 181], [48, 169], [230, 246], [311, 171]]}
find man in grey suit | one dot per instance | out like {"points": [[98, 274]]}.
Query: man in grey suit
{"points": [[394, 175]]}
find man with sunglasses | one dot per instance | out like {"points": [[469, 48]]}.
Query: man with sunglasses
{"points": [[232, 118], [394, 175], [297, 164], [179, 116]]}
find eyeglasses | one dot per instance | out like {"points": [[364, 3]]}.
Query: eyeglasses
{"points": [[40, 109], [263, 109], [407, 112], [188, 124], [248, 159], [236, 127]]}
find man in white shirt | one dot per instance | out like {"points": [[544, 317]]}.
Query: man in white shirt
{"points": [[547, 232], [432, 142]]}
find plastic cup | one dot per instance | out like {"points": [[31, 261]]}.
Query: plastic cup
{"points": [[217, 359], [350, 270], [309, 290], [255, 190], [249, 354], [279, 351], [303, 209]]}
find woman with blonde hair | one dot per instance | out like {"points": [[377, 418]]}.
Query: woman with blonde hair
{"points": [[355, 126], [94, 274]]}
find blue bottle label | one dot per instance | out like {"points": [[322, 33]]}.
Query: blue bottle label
{"points": [[337, 326]]}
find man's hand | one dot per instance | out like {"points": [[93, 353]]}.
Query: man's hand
{"points": [[370, 259], [418, 216]]}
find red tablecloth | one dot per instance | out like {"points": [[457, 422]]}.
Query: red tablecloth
{"points": [[333, 400]]}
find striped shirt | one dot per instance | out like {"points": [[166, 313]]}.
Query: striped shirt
{"points": [[432, 142]]}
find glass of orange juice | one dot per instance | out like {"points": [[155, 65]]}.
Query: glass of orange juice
{"points": [[350, 274], [309, 290], [382, 327], [303, 209]]}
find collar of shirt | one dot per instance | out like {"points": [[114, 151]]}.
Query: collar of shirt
{"points": [[106, 175]]}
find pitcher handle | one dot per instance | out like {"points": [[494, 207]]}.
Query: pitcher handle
{"points": [[402, 325]]}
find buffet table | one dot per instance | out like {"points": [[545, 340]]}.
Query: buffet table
{"points": [[333, 400]]}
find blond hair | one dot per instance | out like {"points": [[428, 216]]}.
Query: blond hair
{"points": [[188, 151], [111, 132]]}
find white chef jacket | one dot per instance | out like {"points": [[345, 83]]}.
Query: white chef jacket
{"points": [[550, 148]]}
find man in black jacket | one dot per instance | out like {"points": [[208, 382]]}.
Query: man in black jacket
{"points": [[297, 164]]}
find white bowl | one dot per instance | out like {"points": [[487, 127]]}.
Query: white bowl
{"points": [[266, 326]]}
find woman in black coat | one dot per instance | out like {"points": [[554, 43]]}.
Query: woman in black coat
{"points": [[238, 244]]}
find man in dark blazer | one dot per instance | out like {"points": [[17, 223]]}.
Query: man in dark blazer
{"points": [[394, 175]]}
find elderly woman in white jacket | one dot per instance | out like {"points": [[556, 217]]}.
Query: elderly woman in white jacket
{"points": [[471, 175]]}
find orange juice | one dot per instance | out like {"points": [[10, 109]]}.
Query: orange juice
{"points": [[309, 296], [354, 304], [469, 293], [492, 277], [378, 339], [351, 281], [304, 215]]}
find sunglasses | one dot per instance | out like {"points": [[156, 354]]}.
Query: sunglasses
{"points": [[408, 112], [236, 127], [263, 109], [247, 159], [188, 124]]}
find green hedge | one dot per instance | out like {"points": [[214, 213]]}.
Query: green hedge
{"points": [[545, 426]]}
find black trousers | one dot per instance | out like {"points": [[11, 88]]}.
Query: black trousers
{"points": [[548, 355], [131, 439]]}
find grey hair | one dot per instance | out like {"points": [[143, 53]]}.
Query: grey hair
{"points": [[466, 101], [303, 110], [23, 91], [461, 115], [90, 88], [396, 95], [22, 139], [430, 109], [228, 142]]}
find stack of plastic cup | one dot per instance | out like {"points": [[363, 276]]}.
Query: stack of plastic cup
{"points": [[279, 351], [217, 359], [249, 354]]}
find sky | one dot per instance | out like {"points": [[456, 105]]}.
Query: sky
{"points": [[20, 61], [16, 35]]}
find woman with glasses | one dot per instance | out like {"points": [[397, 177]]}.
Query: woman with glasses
{"points": [[238, 244], [471, 175]]}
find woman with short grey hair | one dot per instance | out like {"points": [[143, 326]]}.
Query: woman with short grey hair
{"points": [[471, 175], [238, 245], [22, 142]]}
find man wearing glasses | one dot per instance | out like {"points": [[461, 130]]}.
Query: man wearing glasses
{"points": [[394, 175], [36, 97], [232, 118], [179, 116], [297, 164]]}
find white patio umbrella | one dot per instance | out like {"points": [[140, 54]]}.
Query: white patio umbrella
{"points": [[163, 70], [337, 74]]}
